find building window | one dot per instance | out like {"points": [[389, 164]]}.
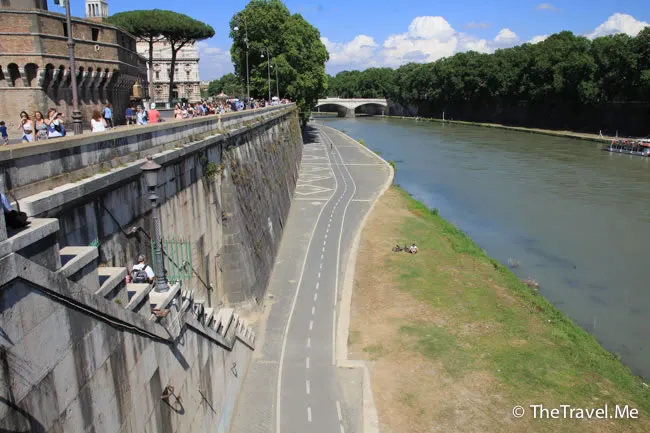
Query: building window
{"points": [[188, 75], [65, 30], [157, 75], [95, 34]]}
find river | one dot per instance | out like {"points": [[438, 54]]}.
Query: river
{"points": [[575, 217]]}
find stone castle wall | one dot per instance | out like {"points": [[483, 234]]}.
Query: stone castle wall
{"points": [[35, 72]]}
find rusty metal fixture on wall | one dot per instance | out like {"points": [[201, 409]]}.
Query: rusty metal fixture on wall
{"points": [[137, 89], [169, 392]]}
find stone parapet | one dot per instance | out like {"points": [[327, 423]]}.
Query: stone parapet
{"points": [[31, 168]]}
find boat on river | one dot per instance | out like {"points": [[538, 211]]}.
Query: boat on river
{"points": [[638, 147]]}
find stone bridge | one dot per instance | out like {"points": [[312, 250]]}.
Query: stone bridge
{"points": [[346, 107]]}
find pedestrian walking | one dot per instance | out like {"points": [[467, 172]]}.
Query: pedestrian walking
{"points": [[141, 115], [3, 131], [54, 123], [130, 117], [41, 126], [26, 127], [108, 115], [97, 123]]}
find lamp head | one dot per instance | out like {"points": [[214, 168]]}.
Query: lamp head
{"points": [[151, 169], [236, 28]]}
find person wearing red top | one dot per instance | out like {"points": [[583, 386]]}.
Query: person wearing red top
{"points": [[153, 115]]}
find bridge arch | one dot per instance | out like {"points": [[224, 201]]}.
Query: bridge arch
{"points": [[346, 107]]}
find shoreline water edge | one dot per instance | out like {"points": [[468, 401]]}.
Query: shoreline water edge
{"points": [[553, 133], [551, 359]]}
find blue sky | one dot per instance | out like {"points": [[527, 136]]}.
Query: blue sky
{"points": [[364, 33]]}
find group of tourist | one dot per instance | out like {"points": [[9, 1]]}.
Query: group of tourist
{"points": [[39, 127]]}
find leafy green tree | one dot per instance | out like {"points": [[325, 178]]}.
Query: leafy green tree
{"points": [[295, 50], [154, 25], [230, 84]]}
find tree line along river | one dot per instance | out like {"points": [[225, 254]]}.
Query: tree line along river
{"points": [[575, 217]]}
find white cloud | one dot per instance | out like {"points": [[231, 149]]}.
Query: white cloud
{"points": [[506, 37], [359, 52], [618, 23], [546, 7], [427, 39], [214, 62], [537, 39]]}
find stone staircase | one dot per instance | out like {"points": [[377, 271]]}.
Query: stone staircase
{"points": [[79, 265]]}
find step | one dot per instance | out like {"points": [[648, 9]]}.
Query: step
{"points": [[226, 315], [209, 314], [136, 293], [36, 242], [235, 322], [79, 264], [112, 284], [217, 320], [161, 300]]}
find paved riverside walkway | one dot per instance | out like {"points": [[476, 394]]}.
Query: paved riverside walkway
{"points": [[292, 384]]}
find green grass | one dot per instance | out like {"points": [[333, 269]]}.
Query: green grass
{"points": [[494, 322], [375, 351]]}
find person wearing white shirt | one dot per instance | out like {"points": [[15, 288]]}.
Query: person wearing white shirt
{"points": [[97, 122], [142, 266]]}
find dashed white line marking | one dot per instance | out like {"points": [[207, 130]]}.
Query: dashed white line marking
{"points": [[317, 284], [321, 266], [319, 275], [325, 235], [342, 429], [315, 296], [307, 362], [328, 226], [278, 394], [324, 243], [338, 410], [313, 310], [311, 325], [309, 342], [334, 337], [309, 413], [321, 256], [307, 385]]}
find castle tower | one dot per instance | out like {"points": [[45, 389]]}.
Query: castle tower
{"points": [[96, 9]]}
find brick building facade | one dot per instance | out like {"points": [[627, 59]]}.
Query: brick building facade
{"points": [[35, 70]]}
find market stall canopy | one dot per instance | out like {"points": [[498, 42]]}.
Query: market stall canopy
{"points": [[222, 96]]}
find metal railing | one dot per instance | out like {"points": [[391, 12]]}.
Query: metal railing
{"points": [[177, 259]]}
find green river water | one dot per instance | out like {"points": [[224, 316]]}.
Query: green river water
{"points": [[575, 217]]}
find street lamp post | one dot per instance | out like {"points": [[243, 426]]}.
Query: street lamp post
{"points": [[76, 114], [268, 67], [248, 87], [151, 170], [277, 85]]}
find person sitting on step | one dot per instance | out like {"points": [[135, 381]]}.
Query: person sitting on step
{"points": [[142, 272], [13, 219]]}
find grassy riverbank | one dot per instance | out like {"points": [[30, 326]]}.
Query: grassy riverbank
{"points": [[455, 340]]}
